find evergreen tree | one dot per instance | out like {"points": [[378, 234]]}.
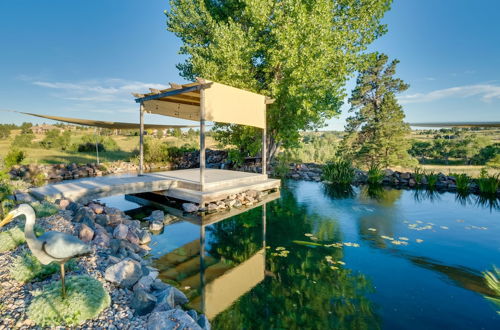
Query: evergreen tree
{"points": [[298, 52], [376, 134]]}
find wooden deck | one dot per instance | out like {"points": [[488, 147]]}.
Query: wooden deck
{"points": [[180, 184]]}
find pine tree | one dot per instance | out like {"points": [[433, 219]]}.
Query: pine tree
{"points": [[376, 134]]}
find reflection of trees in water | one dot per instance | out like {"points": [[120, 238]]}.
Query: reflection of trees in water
{"points": [[337, 191], [384, 196], [304, 292], [420, 195]]}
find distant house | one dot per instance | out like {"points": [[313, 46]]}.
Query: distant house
{"points": [[43, 128]]}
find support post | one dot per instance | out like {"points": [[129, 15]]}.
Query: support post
{"points": [[264, 151], [97, 144], [141, 140], [202, 267], [202, 139]]}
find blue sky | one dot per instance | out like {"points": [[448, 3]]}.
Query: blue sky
{"points": [[83, 58]]}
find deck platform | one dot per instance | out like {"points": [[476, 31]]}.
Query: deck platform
{"points": [[179, 184]]}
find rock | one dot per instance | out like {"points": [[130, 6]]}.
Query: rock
{"points": [[63, 203], [405, 175], [179, 298], [190, 207], [165, 300], [113, 260], [144, 237], [412, 183], [230, 202], [168, 219], [121, 231], [24, 197], [133, 236], [237, 203], [172, 319], [86, 233], [252, 193], [156, 215], [388, 172], [212, 207], [203, 322], [156, 225], [102, 219], [193, 314], [143, 302], [97, 208], [144, 283], [159, 285], [82, 213], [101, 238], [124, 274]]}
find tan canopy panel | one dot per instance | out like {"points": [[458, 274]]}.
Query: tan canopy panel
{"points": [[104, 124], [222, 103], [458, 124]]}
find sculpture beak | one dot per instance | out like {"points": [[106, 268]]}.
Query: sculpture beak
{"points": [[7, 219]]}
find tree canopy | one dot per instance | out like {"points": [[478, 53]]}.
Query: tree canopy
{"points": [[298, 52], [376, 133]]}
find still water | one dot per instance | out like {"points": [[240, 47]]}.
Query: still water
{"points": [[319, 258]]}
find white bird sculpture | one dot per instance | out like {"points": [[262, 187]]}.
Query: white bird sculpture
{"points": [[52, 246]]}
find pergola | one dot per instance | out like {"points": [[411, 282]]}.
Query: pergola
{"points": [[203, 101]]}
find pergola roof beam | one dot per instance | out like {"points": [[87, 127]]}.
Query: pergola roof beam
{"points": [[168, 93]]}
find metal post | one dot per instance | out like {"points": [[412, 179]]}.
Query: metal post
{"points": [[141, 140], [264, 151], [202, 267], [97, 144], [202, 139]]}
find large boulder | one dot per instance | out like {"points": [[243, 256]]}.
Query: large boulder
{"points": [[156, 215], [172, 319], [121, 231], [86, 233], [124, 274], [190, 207]]}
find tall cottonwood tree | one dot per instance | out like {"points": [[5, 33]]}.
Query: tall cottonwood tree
{"points": [[376, 134], [298, 52]]}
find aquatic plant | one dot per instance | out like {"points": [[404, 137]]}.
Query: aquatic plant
{"points": [[340, 172], [492, 279], [462, 180], [26, 268], [418, 174], [432, 179], [375, 175], [85, 299], [488, 184]]}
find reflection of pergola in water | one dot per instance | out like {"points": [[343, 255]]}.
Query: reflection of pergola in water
{"points": [[218, 284], [206, 101]]}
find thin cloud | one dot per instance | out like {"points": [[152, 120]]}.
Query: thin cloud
{"points": [[486, 92], [98, 90]]}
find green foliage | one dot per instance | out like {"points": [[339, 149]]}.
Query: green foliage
{"points": [[462, 181], [247, 141], [55, 140], [376, 133], [432, 179], [44, 209], [419, 174], [11, 238], [86, 299], [23, 140], [4, 131], [155, 150], [316, 148], [492, 279], [488, 184], [375, 175], [14, 157], [104, 143], [282, 166], [26, 268], [494, 162], [300, 53], [340, 172]]}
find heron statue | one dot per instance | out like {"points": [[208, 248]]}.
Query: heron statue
{"points": [[52, 246]]}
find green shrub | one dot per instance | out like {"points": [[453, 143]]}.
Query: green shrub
{"points": [[44, 209], [488, 184], [282, 166], [418, 174], [494, 162], [104, 143], [155, 150], [462, 181], [23, 140], [432, 179], [14, 157], [340, 172], [11, 238], [375, 175], [26, 268], [85, 299], [492, 279]]}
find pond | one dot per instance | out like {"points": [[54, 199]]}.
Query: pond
{"points": [[320, 258]]}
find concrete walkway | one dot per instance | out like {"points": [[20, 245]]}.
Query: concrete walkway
{"points": [[181, 184]]}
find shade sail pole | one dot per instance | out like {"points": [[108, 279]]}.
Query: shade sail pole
{"points": [[264, 151], [141, 140], [202, 139], [97, 145]]}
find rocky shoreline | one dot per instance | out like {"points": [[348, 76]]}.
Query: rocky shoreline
{"points": [[140, 300]]}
